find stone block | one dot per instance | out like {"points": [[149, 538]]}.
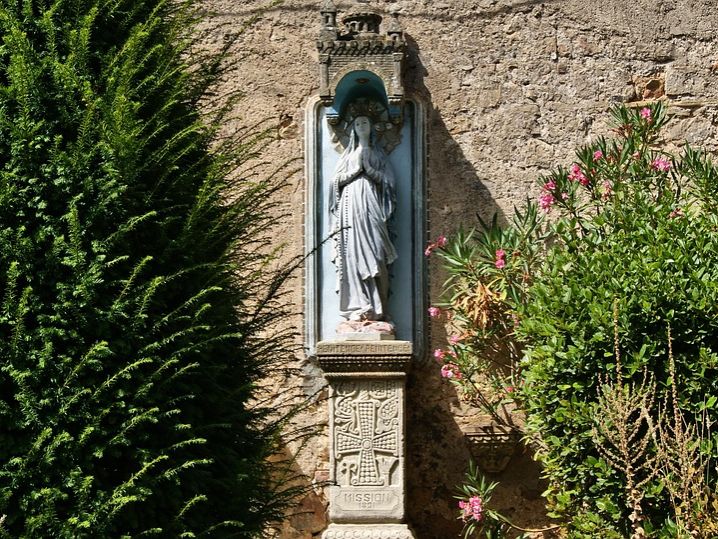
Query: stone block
{"points": [[367, 450], [310, 515], [688, 81], [377, 531]]}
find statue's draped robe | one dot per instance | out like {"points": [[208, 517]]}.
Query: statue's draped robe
{"points": [[361, 208]]}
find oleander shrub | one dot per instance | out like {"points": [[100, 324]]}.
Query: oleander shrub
{"points": [[650, 248], [135, 306], [615, 310]]}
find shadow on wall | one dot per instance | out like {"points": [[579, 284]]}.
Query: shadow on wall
{"points": [[308, 518], [437, 450], [456, 194]]}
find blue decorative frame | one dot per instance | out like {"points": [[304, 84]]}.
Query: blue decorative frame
{"points": [[408, 303]]}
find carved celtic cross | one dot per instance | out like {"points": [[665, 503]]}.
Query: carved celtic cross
{"points": [[367, 442]]}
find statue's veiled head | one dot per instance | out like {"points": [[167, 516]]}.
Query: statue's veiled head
{"points": [[362, 128], [382, 133]]}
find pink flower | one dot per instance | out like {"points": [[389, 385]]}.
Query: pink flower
{"points": [[440, 242], [546, 201], [434, 312], [577, 175], [564, 196], [473, 508], [597, 155], [660, 164], [509, 389], [454, 339], [645, 113], [500, 259], [451, 371], [439, 354], [549, 185]]}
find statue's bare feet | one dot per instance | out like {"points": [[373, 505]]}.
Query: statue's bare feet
{"points": [[365, 328]]}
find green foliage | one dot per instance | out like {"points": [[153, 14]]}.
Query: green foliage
{"points": [[486, 280], [651, 246], [633, 227], [131, 299], [474, 498]]}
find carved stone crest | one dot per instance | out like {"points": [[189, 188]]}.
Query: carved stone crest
{"points": [[360, 47]]}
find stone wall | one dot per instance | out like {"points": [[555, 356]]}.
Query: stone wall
{"points": [[511, 87]]}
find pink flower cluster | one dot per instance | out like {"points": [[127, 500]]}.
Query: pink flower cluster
{"points": [[546, 201], [598, 154], [434, 312], [500, 262], [440, 354], [661, 165], [473, 508], [440, 242], [577, 175], [645, 113], [451, 371]]}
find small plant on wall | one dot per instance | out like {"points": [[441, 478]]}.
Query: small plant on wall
{"points": [[564, 315], [479, 518]]}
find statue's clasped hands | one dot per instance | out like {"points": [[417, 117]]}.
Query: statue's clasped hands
{"points": [[366, 168], [362, 168]]}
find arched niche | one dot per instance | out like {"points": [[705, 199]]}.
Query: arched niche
{"points": [[361, 84]]}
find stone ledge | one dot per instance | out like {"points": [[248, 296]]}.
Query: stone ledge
{"points": [[363, 364], [365, 375], [364, 356], [364, 348], [375, 531]]}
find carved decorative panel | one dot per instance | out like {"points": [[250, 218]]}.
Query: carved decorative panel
{"points": [[366, 432], [385, 531], [367, 458]]}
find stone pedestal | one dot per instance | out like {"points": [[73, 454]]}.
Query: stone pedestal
{"points": [[366, 420], [368, 531]]}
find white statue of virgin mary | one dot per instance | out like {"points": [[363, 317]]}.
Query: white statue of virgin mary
{"points": [[362, 201]]}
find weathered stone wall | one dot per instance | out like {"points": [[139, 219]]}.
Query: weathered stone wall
{"points": [[511, 87]]}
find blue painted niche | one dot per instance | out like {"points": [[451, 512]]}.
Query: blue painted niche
{"points": [[407, 300], [360, 84]]}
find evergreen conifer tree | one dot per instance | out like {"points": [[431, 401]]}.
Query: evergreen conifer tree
{"points": [[129, 301]]}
